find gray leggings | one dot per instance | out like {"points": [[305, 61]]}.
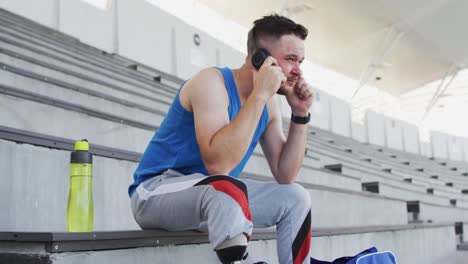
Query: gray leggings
{"points": [[221, 206]]}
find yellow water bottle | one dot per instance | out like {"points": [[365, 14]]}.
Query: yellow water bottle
{"points": [[80, 212]]}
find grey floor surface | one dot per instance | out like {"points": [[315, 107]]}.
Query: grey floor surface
{"points": [[459, 257]]}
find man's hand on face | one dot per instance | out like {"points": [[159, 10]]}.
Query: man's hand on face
{"points": [[300, 98], [268, 79]]}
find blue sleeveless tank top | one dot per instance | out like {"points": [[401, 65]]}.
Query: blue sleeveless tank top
{"points": [[174, 145]]}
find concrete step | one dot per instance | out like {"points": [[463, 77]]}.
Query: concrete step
{"points": [[426, 169], [458, 257], [20, 75], [338, 156], [393, 191], [24, 22], [35, 183], [168, 79], [463, 246], [428, 166], [111, 180], [328, 209], [396, 157], [308, 173], [70, 66], [121, 104], [45, 33], [59, 118], [29, 29], [376, 175], [420, 188], [434, 213], [457, 181], [75, 52], [395, 186], [189, 247]]}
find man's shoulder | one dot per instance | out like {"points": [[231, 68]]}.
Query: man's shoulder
{"points": [[209, 79], [209, 74], [205, 85]]}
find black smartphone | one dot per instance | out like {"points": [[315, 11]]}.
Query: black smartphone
{"points": [[258, 58]]}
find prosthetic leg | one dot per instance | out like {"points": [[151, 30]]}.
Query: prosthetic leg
{"points": [[232, 250]]}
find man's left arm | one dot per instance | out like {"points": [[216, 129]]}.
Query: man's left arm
{"points": [[285, 155]]}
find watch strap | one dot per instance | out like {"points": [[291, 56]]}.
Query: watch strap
{"points": [[300, 119]]}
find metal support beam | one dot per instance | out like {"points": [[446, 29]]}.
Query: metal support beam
{"points": [[392, 37], [452, 73]]}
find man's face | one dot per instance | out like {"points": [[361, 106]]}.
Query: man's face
{"points": [[289, 52]]}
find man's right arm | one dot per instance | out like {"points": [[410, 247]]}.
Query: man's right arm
{"points": [[222, 143]]}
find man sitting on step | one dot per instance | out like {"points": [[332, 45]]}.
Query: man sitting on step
{"points": [[188, 177]]}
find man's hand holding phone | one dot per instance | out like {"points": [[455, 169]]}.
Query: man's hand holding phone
{"points": [[268, 79]]}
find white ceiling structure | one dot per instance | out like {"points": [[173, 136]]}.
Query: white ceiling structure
{"points": [[414, 50], [402, 58], [407, 43]]}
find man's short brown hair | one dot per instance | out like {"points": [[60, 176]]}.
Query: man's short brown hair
{"points": [[274, 26]]}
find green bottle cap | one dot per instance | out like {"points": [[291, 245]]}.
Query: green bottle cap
{"points": [[81, 153], [82, 145]]}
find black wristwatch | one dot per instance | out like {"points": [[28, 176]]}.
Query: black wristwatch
{"points": [[300, 119]]}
